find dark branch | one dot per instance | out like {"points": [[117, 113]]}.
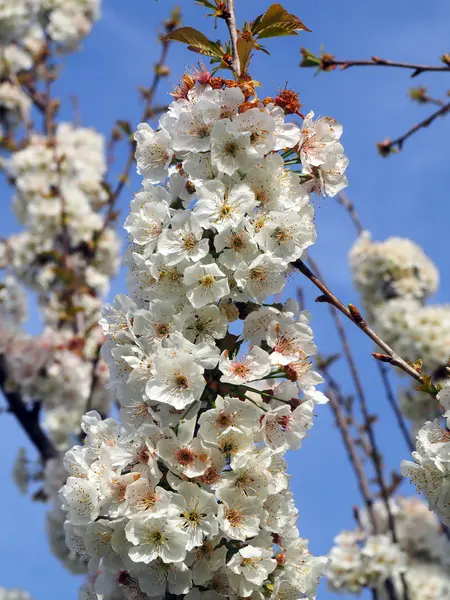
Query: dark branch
{"points": [[28, 418], [328, 63], [354, 316], [389, 146]]}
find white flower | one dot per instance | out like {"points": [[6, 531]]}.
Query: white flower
{"points": [[236, 244], [238, 516], [262, 277], [290, 341], [141, 497], [155, 537], [188, 458], [250, 567], [192, 129], [287, 234], [229, 415], [146, 224], [231, 149], [284, 428], [153, 153], [207, 559], [210, 284], [116, 320], [81, 499], [222, 207], [194, 513], [318, 139], [256, 365], [205, 324], [261, 127], [177, 379], [183, 240]]}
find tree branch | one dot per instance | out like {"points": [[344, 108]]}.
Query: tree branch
{"points": [[353, 314], [147, 113], [329, 63], [397, 412], [388, 146], [28, 418], [345, 201], [230, 19]]}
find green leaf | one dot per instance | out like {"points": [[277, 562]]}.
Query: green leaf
{"points": [[309, 59], [245, 47], [277, 22], [206, 3], [196, 40]]}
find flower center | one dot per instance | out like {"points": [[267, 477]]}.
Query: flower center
{"points": [[258, 274], [189, 242], [192, 517], [231, 148], [185, 456], [207, 281], [225, 420], [226, 210], [181, 381], [237, 242], [234, 517], [162, 329], [240, 369]]}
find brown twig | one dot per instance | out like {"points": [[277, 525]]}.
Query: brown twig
{"points": [[333, 394], [28, 418], [230, 19], [353, 314], [345, 201], [147, 113], [328, 62], [349, 206], [375, 454], [388, 146], [395, 408]]}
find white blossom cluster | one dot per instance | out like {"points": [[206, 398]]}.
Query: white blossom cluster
{"points": [[430, 471], [13, 594], [189, 493], [395, 268], [27, 29], [395, 278], [67, 256], [64, 22], [368, 557]]}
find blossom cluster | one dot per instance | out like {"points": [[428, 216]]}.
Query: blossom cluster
{"points": [[27, 29], [66, 251], [430, 471], [66, 255], [189, 492], [395, 278], [368, 556], [64, 22], [395, 268], [13, 594]]}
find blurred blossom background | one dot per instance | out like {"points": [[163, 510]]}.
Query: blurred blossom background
{"points": [[403, 195]]}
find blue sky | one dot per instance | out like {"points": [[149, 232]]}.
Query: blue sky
{"points": [[404, 195]]}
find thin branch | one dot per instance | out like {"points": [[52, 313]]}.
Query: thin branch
{"points": [[328, 63], [147, 113], [28, 418], [345, 201], [388, 146], [353, 314], [333, 394], [393, 403], [230, 19], [375, 455]]}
